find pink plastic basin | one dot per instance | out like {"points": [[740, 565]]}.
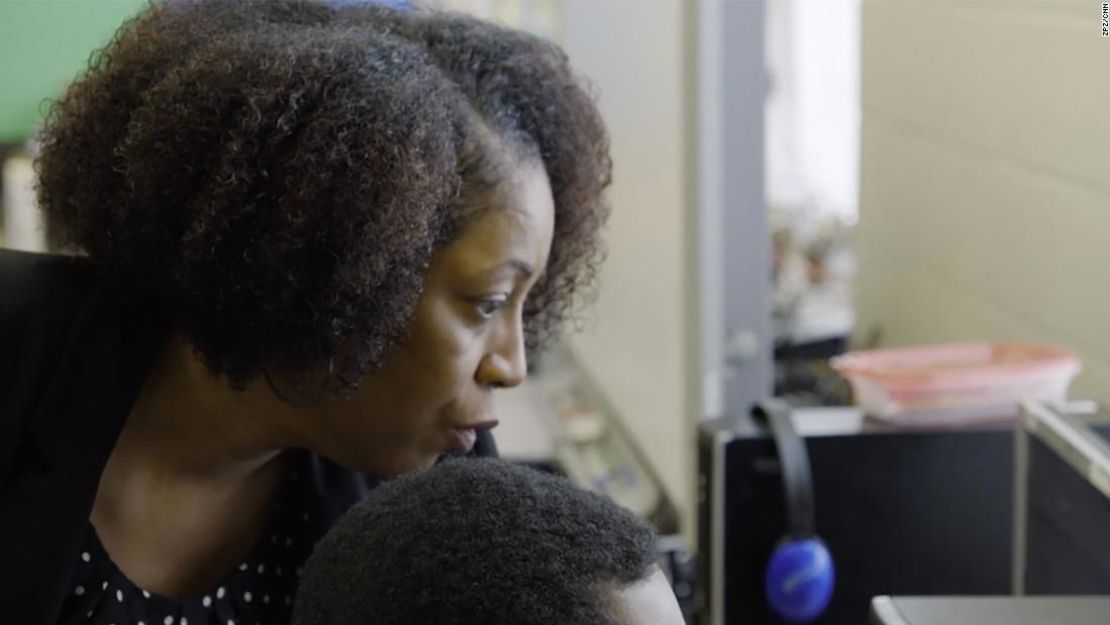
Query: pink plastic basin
{"points": [[933, 378]]}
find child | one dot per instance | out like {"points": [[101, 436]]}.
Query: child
{"points": [[485, 542]]}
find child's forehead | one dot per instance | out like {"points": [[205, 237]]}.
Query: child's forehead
{"points": [[650, 601]]}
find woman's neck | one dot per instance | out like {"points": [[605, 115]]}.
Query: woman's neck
{"points": [[190, 424], [190, 484]]}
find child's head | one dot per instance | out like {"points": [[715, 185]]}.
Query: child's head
{"points": [[485, 542]]}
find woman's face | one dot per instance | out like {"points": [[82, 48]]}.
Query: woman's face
{"points": [[466, 339]]}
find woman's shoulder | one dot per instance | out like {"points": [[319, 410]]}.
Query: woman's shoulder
{"points": [[40, 295], [45, 299], [26, 268], [32, 282], [51, 303]]}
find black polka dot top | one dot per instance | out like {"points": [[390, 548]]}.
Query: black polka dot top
{"points": [[260, 591]]}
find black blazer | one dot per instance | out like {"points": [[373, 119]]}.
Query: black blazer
{"points": [[74, 350]]}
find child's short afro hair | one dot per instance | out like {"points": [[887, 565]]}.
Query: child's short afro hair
{"points": [[475, 542], [276, 174]]}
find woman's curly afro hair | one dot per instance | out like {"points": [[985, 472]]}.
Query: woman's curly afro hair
{"points": [[277, 174], [475, 542]]}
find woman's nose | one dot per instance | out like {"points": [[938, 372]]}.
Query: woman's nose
{"points": [[505, 365]]}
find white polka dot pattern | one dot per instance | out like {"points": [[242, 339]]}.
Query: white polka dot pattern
{"points": [[255, 592]]}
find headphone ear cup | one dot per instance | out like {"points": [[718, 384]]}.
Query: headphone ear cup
{"points": [[800, 579]]}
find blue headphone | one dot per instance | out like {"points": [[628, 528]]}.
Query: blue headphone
{"points": [[800, 574], [400, 5]]}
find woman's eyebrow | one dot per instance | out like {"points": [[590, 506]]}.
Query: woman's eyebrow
{"points": [[523, 268]]}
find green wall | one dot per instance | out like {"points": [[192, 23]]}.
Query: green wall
{"points": [[44, 44]]}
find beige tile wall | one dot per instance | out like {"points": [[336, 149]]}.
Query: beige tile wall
{"points": [[634, 346], [985, 176]]}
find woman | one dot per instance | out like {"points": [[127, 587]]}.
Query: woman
{"points": [[314, 241]]}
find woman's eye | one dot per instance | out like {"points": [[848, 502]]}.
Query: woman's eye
{"points": [[487, 308]]}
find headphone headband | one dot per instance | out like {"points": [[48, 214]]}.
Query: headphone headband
{"points": [[797, 481]]}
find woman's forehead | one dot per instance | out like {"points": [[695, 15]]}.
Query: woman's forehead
{"points": [[514, 222], [497, 243]]}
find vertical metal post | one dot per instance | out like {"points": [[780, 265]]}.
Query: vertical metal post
{"points": [[1021, 501], [728, 240], [746, 257]]}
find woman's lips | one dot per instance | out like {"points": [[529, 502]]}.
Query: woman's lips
{"points": [[462, 441], [462, 438]]}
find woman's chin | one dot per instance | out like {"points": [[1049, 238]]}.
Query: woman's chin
{"points": [[397, 465]]}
